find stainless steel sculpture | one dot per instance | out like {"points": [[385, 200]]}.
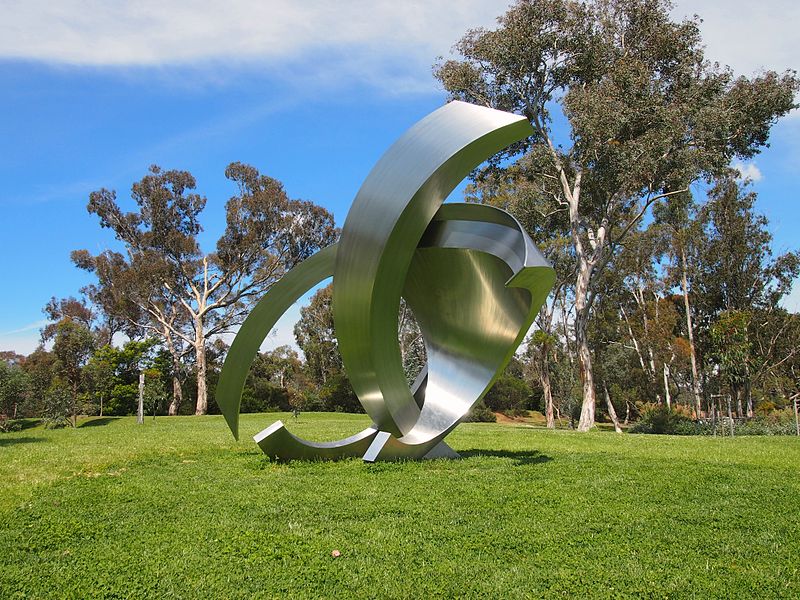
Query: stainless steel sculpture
{"points": [[470, 274]]}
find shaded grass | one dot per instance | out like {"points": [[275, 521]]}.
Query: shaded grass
{"points": [[176, 508]]}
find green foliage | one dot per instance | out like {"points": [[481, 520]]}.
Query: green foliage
{"points": [[509, 394], [13, 389], [59, 405], [175, 508], [662, 420], [338, 395], [263, 396], [316, 337], [154, 394], [731, 345], [480, 413]]}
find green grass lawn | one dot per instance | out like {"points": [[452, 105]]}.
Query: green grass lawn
{"points": [[176, 508]]}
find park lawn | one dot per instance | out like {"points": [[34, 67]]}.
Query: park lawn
{"points": [[177, 508]]}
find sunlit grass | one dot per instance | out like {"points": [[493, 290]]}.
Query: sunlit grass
{"points": [[177, 508]]}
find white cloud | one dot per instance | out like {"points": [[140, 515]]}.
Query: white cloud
{"points": [[792, 301], [22, 343], [748, 36], [748, 170], [368, 40], [385, 43]]}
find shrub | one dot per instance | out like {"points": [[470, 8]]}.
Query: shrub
{"points": [[508, 393], [338, 395], [659, 419], [480, 413], [58, 406], [8, 425], [262, 396]]}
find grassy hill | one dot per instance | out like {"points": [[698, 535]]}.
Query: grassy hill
{"points": [[176, 508]]}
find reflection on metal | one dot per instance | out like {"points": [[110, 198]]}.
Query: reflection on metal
{"points": [[470, 273]]}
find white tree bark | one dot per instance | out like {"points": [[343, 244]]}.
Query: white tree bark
{"points": [[690, 331], [140, 409], [611, 411]]}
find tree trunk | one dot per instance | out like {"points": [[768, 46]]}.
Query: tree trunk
{"points": [[582, 343], [692, 352], [101, 404], [544, 379], [748, 392], [177, 396], [177, 390], [611, 411], [667, 395], [200, 359], [638, 295], [140, 409], [587, 374], [738, 395]]}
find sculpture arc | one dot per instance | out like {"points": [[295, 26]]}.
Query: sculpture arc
{"points": [[255, 328], [470, 273], [389, 215]]}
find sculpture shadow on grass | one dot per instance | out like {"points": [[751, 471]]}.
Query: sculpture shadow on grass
{"points": [[20, 440], [23, 424], [98, 422], [520, 457]]}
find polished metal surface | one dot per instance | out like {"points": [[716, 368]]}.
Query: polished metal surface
{"points": [[389, 215], [470, 273]]}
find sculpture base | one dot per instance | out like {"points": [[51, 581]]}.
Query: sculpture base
{"points": [[371, 444]]}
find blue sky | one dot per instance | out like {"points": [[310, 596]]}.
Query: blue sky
{"points": [[94, 92]]}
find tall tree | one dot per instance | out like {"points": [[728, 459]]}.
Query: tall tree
{"points": [[72, 346], [65, 309], [684, 241], [181, 293], [316, 336], [739, 284], [643, 113]]}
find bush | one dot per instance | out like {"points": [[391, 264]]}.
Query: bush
{"points": [[659, 419], [58, 406], [480, 413], [8, 425], [777, 422], [508, 393], [338, 395], [262, 396]]}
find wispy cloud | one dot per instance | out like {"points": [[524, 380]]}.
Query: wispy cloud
{"points": [[748, 170], [36, 325], [748, 36], [792, 301], [380, 41]]}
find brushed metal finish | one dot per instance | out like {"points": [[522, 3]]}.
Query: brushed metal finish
{"points": [[388, 217], [276, 442], [472, 276]]}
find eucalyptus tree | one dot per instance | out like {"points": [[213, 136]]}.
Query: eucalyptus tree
{"points": [[512, 191], [165, 282], [65, 309], [626, 113], [73, 345], [316, 336], [739, 285], [682, 229]]}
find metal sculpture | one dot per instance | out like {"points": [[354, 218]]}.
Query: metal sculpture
{"points": [[469, 272]]}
